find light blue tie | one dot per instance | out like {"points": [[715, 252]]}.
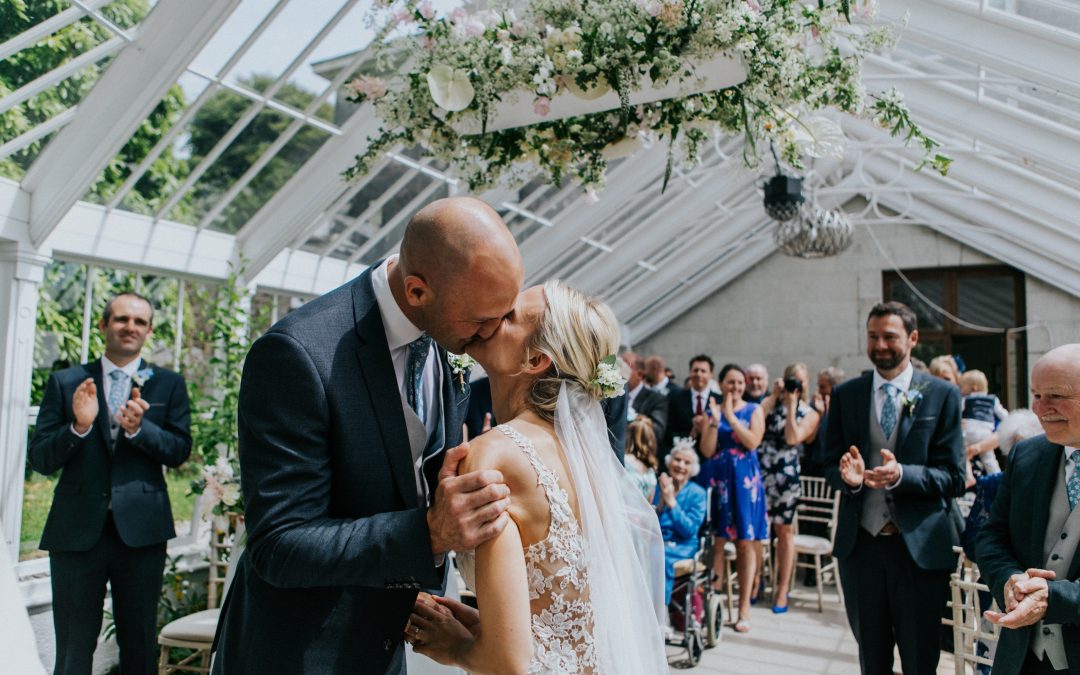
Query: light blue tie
{"points": [[888, 410], [1073, 485], [414, 373], [117, 391]]}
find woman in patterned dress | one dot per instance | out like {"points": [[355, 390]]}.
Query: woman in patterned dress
{"points": [[733, 473], [789, 422], [560, 588]]}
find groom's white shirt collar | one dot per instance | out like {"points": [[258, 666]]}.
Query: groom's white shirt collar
{"points": [[399, 330]]}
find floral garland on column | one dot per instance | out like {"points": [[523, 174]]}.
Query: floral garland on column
{"points": [[802, 57]]}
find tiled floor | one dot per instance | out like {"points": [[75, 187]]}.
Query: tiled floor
{"points": [[801, 641]]}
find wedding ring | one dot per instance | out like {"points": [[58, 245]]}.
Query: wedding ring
{"points": [[416, 631]]}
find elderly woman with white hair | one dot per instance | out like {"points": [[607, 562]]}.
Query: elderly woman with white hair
{"points": [[680, 505]]}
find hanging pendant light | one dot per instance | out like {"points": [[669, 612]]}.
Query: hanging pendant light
{"points": [[815, 233]]}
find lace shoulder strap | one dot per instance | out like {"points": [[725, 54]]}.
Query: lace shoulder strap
{"points": [[546, 478]]}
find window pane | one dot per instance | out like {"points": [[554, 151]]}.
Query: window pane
{"points": [[987, 301], [934, 289]]}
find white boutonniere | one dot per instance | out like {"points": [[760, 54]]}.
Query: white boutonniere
{"points": [[141, 377], [460, 365], [911, 399], [608, 380]]}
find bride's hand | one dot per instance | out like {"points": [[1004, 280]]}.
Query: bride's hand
{"points": [[435, 632], [468, 616]]}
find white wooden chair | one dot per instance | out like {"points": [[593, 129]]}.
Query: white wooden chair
{"points": [[766, 570], [819, 504], [967, 622], [196, 631]]}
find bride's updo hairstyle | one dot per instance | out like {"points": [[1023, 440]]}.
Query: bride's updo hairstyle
{"points": [[577, 332]]}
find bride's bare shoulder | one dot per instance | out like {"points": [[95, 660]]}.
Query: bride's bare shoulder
{"points": [[496, 450]]}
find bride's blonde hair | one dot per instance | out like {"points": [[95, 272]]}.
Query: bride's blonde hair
{"points": [[576, 332]]}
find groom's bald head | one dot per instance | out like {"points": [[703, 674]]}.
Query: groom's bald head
{"points": [[461, 270]]}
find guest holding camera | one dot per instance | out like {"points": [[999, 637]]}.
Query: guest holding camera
{"points": [[789, 422], [735, 476]]}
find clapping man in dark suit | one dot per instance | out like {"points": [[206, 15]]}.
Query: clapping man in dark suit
{"points": [[110, 426], [1029, 549], [348, 409], [689, 410], [894, 450], [641, 399]]}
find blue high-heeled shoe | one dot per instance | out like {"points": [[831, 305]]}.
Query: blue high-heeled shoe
{"points": [[780, 610]]}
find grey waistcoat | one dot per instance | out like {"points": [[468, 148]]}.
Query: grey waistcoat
{"points": [[424, 445], [877, 508], [1059, 552]]}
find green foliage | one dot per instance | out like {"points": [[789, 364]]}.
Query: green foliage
{"points": [[214, 120], [54, 51]]}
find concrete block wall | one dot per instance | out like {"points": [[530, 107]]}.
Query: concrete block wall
{"points": [[788, 309]]}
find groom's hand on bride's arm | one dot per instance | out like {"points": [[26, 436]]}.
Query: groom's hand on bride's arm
{"points": [[468, 509]]}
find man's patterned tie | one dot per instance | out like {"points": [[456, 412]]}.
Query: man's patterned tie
{"points": [[888, 410], [117, 391], [414, 373], [1073, 484]]}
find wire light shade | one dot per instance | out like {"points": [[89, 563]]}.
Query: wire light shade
{"points": [[815, 233]]}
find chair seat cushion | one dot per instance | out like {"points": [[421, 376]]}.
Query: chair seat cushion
{"points": [[729, 550], [196, 627], [808, 543], [684, 567]]}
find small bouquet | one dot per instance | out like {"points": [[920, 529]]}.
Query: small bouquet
{"points": [[460, 365], [220, 488]]}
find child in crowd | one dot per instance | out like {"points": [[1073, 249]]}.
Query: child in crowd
{"points": [[982, 414]]}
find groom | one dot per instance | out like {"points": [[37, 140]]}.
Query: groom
{"points": [[348, 408]]}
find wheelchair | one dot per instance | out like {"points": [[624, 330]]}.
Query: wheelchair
{"points": [[693, 598]]}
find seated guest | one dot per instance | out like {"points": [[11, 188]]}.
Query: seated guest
{"points": [[757, 383], [641, 455], [789, 422], [680, 505], [641, 399], [1027, 550], [734, 474]]}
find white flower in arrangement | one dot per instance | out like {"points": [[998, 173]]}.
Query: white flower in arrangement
{"points": [[450, 87], [608, 380], [818, 137]]}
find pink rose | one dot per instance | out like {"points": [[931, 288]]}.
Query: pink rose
{"points": [[369, 87], [426, 10], [459, 15], [402, 15], [542, 106]]}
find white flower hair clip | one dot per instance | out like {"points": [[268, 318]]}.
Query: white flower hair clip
{"points": [[608, 378]]}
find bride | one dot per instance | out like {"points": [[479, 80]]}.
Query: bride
{"points": [[575, 583]]}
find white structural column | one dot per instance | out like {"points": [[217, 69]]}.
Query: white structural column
{"points": [[167, 40], [21, 271]]}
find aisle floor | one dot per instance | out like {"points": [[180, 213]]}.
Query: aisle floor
{"points": [[801, 641]]}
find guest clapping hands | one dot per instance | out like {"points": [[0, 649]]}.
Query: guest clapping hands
{"points": [[680, 505]]}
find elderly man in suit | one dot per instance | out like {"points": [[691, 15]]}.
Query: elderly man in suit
{"points": [[641, 399], [348, 409], [689, 410], [896, 454], [110, 426], [1028, 549]]}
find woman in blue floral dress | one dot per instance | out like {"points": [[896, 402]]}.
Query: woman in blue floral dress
{"points": [[738, 494]]}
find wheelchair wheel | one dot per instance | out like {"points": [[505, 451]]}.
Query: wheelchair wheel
{"points": [[714, 621], [694, 647]]}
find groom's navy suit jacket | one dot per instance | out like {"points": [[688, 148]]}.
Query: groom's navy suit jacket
{"points": [[929, 445], [1011, 541], [338, 545]]}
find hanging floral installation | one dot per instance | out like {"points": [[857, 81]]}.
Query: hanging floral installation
{"points": [[598, 79]]}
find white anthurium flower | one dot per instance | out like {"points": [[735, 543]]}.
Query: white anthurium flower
{"points": [[819, 137], [450, 87]]}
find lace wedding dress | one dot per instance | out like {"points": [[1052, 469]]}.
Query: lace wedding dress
{"points": [[559, 599]]}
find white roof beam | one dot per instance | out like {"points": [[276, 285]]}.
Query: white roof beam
{"points": [[993, 122], [1003, 41], [389, 226], [61, 73], [181, 124], [37, 133], [307, 195], [35, 33], [252, 111], [168, 38]]}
